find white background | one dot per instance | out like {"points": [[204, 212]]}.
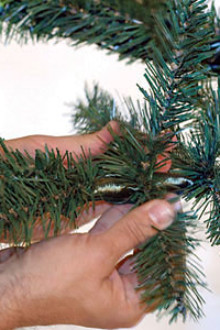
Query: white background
{"points": [[36, 82]]}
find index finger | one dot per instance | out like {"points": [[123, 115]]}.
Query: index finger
{"points": [[93, 144]]}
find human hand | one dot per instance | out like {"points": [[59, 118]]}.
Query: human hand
{"points": [[77, 279], [95, 144]]}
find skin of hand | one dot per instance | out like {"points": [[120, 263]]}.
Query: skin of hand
{"points": [[94, 143], [77, 278]]}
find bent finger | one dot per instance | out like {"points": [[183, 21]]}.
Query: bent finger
{"points": [[94, 143]]}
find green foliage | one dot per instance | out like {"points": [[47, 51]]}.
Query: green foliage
{"points": [[99, 108], [177, 96], [99, 104], [197, 158], [178, 69], [130, 170], [44, 189], [169, 284], [123, 27], [32, 189]]}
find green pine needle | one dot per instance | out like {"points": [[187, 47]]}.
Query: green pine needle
{"points": [[180, 96]]}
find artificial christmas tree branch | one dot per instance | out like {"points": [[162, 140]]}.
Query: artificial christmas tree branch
{"points": [[124, 27], [43, 187], [113, 25], [134, 167]]}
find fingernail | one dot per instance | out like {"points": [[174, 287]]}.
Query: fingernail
{"points": [[175, 201], [162, 213]]}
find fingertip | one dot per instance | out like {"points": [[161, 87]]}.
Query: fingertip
{"points": [[114, 126], [175, 200], [165, 164], [108, 131], [160, 212]]}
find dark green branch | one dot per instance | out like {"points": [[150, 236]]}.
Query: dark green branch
{"points": [[179, 68], [123, 27], [43, 189]]}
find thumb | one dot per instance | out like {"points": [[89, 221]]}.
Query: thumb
{"points": [[137, 226]]}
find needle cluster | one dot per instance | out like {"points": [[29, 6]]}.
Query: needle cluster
{"points": [[179, 96]]}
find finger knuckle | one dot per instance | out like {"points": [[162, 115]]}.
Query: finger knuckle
{"points": [[122, 209], [136, 230]]}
